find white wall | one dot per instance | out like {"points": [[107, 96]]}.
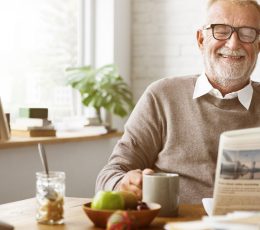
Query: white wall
{"points": [[164, 40], [81, 162]]}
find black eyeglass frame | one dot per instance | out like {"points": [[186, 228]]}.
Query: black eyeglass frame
{"points": [[233, 29]]}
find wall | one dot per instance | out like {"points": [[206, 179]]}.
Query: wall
{"points": [[81, 162], [164, 40]]}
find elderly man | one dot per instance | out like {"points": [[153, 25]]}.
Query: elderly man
{"points": [[176, 125]]}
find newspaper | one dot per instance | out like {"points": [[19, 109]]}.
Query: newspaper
{"points": [[236, 198], [237, 180]]}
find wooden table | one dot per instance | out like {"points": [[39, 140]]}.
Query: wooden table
{"points": [[21, 214]]}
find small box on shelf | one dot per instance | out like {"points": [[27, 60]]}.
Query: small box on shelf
{"points": [[33, 113]]}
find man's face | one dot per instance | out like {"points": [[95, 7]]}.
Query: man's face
{"points": [[230, 62]]}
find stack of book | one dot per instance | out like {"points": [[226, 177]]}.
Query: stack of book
{"points": [[33, 122]]}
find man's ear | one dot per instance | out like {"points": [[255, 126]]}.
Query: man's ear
{"points": [[200, 39]]}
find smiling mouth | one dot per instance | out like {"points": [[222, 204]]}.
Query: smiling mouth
{"points": [[232, 57]]}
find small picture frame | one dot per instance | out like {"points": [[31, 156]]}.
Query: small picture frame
{"points": [[4, 128]]}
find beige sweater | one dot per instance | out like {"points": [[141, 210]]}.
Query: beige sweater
{"points": [[171, 132]]}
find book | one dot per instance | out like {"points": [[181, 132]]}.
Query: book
{"points": [[34, 133], [85, 131], [23, 123], [237, 179], [4, 129], [33, 113]]}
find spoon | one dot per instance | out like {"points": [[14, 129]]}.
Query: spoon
{"points": [[50, 193]]}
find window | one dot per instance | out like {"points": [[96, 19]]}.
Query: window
{"points": [[39, 39]]}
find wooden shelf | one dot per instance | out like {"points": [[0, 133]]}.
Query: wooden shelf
{"points": [[28, 141]]}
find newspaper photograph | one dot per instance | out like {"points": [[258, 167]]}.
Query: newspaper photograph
{"points": [[237, 181]]}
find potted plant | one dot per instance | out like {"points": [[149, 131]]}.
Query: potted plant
{"points": [[102, 88]]}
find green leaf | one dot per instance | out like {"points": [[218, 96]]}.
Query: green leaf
{"points": [[102, 87]]}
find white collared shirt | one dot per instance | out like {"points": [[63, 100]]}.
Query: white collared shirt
{"points": [[203, 87]]}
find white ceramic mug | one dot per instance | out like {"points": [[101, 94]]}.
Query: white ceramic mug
{"points": [[162, 188]]}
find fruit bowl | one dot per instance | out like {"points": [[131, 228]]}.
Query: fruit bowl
{"points": [[142, 218]]}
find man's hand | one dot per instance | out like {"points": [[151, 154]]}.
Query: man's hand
{"points": [[132, 181]]}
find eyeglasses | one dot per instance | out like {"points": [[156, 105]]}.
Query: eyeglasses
{"points": [[223, 32]]}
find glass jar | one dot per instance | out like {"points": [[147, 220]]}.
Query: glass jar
{"points": [[50, 193]]}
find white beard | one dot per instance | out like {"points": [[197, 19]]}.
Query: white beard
{"points": [[227, 74]]}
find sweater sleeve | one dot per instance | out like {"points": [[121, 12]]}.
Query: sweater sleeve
{"points": [[139, 146]]}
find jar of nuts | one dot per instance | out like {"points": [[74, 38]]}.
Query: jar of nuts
{"points": [[50, 192]]}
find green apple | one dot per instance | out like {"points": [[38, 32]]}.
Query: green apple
{"points": [[110, 200]]}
